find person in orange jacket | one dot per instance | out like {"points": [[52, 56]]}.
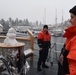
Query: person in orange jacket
{"points": [[67, 57], [44, 38]]}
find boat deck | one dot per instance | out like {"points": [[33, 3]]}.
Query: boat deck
{"points": [[52, 68], [33, 69]]}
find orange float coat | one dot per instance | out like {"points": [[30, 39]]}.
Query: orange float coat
{"points": [[44, 44], [70, 35]]}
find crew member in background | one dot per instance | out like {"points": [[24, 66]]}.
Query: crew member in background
{"points": [[44, 44]]}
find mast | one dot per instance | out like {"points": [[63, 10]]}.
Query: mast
{"points": [[62, 16], [62, 20], [56, 17], [44, 18]]}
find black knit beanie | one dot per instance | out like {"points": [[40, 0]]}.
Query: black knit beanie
{"points": [[45, 26], [73, 10]]}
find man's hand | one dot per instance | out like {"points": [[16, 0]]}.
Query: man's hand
{"points": [[40, 49], [61, 58]]}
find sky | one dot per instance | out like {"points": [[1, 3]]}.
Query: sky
{"points": [[44, 11]]}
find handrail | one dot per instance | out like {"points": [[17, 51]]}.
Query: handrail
{"points": [[18, 38], [30, 39]]}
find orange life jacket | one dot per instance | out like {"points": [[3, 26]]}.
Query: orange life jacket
{"points": [[44, 39], [43, 36]]}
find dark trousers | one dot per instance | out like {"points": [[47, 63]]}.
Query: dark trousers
{"points": [[42, 57]]}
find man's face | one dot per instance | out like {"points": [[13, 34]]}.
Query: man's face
{"points": [[72, 19], [45, 29]]}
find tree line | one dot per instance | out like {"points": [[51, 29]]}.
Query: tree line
{"points": [[10, 23]]}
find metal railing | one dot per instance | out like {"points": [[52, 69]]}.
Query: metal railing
{"points": [[54, 51]]}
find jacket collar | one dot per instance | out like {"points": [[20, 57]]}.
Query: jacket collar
{"points": [[70, 31], [43, 31]]}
